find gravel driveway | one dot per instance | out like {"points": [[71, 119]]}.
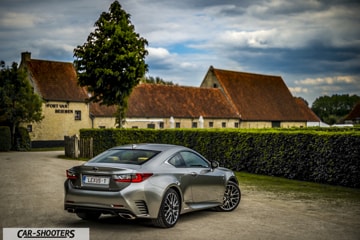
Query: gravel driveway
{"points": [[31, 185]]}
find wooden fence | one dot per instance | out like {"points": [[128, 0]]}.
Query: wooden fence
{"points": [[76, 147]]}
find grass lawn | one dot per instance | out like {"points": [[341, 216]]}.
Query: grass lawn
{"points": [[47, 149], [297, 189]]}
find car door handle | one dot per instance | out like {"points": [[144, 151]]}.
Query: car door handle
{"points": [[194, 174]]}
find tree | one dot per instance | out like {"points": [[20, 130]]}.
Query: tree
{"points": [[112, 61], [156, 80], [18, 102], [332, 109]]}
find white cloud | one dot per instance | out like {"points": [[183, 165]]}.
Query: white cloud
{"points": [[311, 40], [257, 39], [158, 52], [266, 38], [328, 80], [16, 20], [312, 88], [298, 90]]}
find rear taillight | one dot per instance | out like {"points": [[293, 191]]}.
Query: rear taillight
{"points": [[71, 175], [133, 178]]}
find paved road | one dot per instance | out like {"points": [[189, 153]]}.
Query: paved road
{"points": [[31, 186]]}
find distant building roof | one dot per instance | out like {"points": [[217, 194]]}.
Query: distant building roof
{"points": [[257, 97], [55, 81], [247, 96], [153, 100], [98, 110], [354, 114]]}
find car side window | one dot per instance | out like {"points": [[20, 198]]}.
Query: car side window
{"points": [[193, 160], [177, 161]]}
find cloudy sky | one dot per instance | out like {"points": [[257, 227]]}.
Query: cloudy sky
{"points": [[314, 45]]}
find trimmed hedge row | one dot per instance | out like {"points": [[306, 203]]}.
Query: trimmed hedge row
{"points": [[5, 139], [22, 140], [319, 156]]}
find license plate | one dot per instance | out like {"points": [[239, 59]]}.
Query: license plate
{"points": [[95, 180]]}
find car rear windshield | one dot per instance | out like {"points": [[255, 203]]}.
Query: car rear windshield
{"points": [[125, 156]]}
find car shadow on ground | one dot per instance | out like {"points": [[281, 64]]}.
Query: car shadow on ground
{"points": [[115, 222]]}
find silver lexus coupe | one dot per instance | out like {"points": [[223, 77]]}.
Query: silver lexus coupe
{"points": [[154, 181]]}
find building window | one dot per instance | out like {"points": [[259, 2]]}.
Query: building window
{"points": [[29, 128], [161, 125], [211, 124], [236, 125], [151, 125], [135, 127], [194, 125], [177, 125], [275, 124], [223, 124], [102, 127], [77, 115]]}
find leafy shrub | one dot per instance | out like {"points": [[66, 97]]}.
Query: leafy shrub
{"points": [[22, 140], [5, 138], [325, 156]]}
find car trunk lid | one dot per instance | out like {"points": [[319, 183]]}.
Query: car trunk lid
{"points": [[93, 177]]}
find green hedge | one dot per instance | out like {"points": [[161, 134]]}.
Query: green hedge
{"points": [[323, 156], [5, 139], [22, 140]]}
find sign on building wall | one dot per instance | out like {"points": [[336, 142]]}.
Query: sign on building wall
{"points": [[60, 108]]}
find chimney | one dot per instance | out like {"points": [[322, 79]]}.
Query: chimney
{"points": [[25, 56]]}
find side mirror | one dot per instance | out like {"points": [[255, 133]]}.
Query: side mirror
{"points": [[214, 164]]}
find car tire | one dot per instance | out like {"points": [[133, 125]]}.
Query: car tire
{"points": [[92, 216], [169, 211], [232, 197]]}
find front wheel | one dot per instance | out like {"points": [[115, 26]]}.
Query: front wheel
{"points": [[232, 197], [169, 210]]}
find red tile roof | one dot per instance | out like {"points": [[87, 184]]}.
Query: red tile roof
{"points": [[259, 97], [98, 110], [247, 96], [152, 100], [354, 114], [306, 111], [56, 81]]}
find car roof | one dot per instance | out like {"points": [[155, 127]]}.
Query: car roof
{"points": [[150, 146]]}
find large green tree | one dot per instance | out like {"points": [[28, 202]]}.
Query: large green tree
{"points": [[18, 102], [332, 109], [112, 61]]}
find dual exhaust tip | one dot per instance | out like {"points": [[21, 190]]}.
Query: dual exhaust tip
{"points": [[127, 216]]}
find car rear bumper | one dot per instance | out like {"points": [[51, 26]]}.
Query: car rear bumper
{"points": [[128, 203]]}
